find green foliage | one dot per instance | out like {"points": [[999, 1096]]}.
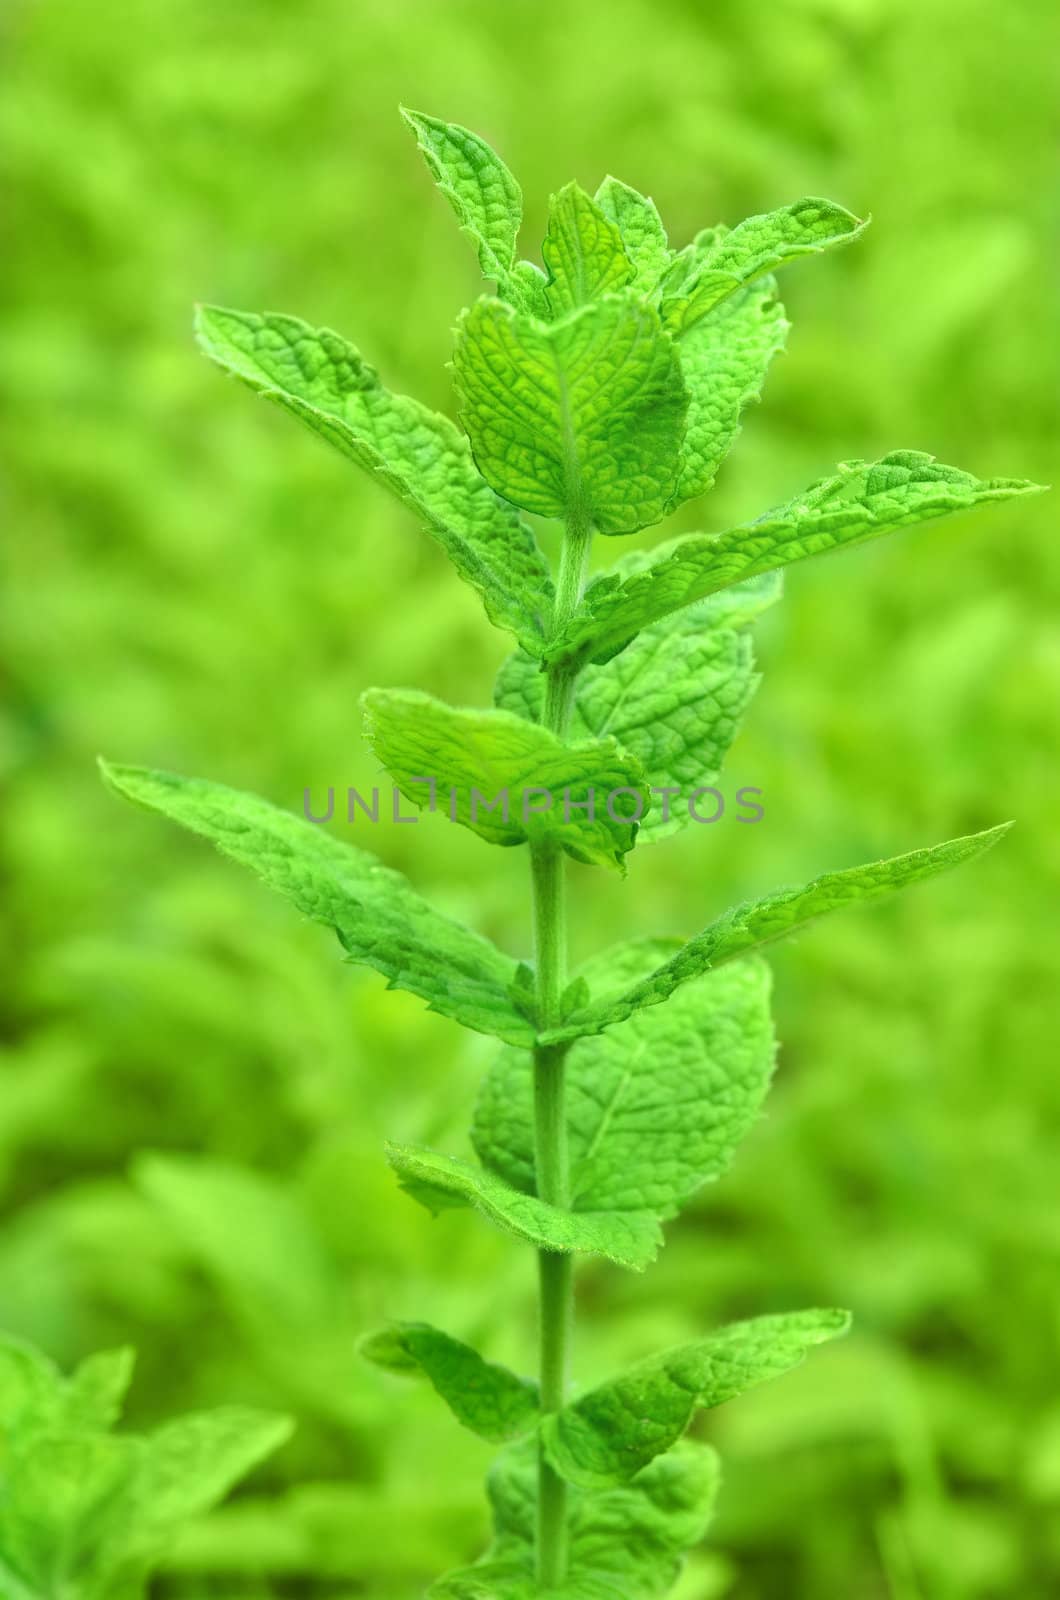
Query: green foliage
{"points": [[193, 583], [324, 381], [656, 1519], [863, 501], [88, 1513], [761, 922], [630, 1238], [482, 768], [488, 1399], [580, 417], [608, 1435], [378, 918], [577, 408], [658, 1104]]}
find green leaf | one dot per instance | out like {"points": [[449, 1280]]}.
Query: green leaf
{"points": [[761, 922], [421, 456], [641, 227], [613, 1432], [193, 1462], [625, 1543], [581, 418], [583, 252], [86, 1513], [724, 359], [629, 1238], [483, 193], [480, 759], [862, 501], [759, 245], [380, 920], [488, 1399], [673, 699], [656, 1106], [93, 1396]]}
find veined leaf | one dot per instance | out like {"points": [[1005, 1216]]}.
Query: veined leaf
{"points": [[761, 922], [625, 1543], [862, 501], [380, 920], [493, 772], [638, 221], [673, 698], [421, 456], [656, 1106], [485, 196], [583, 252], [613, 1432], [759, 245], [488, 1399], [629, 1238], [724, 359], [579, 418]]}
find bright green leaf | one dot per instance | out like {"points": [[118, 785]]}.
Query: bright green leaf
{"points": [[613, 1432], [583, 252], [506, 779], [759, 245], [483, 193], [761, 922], [638, 221], [488, 1399], [581, 418], [656, 1106], [629, 1238], [673, 699], [420, 455], [380, 920], [724, 359], [625, 1543], [860, 502]]}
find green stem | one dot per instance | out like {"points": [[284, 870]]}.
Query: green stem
{"points": [[555, 1270]]}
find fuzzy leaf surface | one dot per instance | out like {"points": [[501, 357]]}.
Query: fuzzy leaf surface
{"points": [[477, 756], [724, 359], [613, 1432], [421, 456], [490, 1400], [581, 417], [759, 245], [673, 699], [656, 1106], [583, 252], [380, 920], [485, 196], [629, 1238], [862, 501], [626, 1543], [638, 221], [760, 922]]}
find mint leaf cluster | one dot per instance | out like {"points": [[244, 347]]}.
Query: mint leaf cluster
{"points": [[602, 388], [86, 1512]]}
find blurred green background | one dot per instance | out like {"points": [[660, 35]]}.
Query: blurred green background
{"points": [[189, 582]]}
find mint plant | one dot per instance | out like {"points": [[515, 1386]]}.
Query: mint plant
{"points": [[603, 391], [87, 1513]]}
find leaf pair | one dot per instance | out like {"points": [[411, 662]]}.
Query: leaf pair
{"points": [[624, 1543], [614, 1431], [88, 1513], [381, 922]]}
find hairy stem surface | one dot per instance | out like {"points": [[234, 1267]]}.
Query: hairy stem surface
{"points": [[555, 1270]]}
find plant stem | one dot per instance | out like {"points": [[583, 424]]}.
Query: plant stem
{"points": [[555, 1270]]}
